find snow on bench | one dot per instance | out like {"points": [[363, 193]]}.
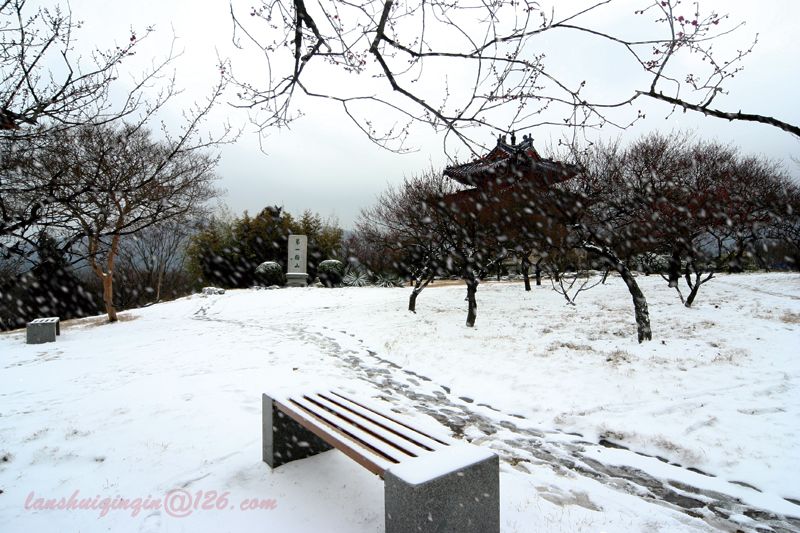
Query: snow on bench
{"points": [[431, 483], [43, 330]]}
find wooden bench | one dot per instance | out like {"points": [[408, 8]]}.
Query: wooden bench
{"points": [[431, 483], [43, 330]]}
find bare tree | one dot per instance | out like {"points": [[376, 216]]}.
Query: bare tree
{"points": [[756, 198], [786, 229], [436, 227], [405, 224], [570, 285], [127, 182], [46, 82], [671, 195], [592, 212], [457, 65], [675, 185], [154, 259], [473, 223], [48, 88]]}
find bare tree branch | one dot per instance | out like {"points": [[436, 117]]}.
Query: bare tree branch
{"points": [[454, 66]]}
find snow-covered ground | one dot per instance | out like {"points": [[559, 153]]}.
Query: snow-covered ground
{"points": [[698, 430]]}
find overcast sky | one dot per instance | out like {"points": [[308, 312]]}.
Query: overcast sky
{"points": [[325, 164]]}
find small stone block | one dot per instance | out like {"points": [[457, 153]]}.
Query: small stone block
{"points": [[38, 332]]}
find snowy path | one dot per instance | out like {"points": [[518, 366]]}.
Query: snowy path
{"points": [[525, 448]]}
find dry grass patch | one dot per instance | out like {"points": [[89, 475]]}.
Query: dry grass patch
{"points": [[95, 321], [618, 357], [790, 318], [570, 346]]}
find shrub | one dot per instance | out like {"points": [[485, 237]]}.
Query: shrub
{"points": [[388, 280], [330, 272], [269, 273], [355, 277]]}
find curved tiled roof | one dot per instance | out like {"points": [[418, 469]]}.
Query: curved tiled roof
{"points": [[507, 163]]}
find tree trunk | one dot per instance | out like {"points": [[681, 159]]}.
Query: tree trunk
{"points": [[539, 273], [108, 281], [758, 250], [418, 288], [736, 263], [106, 276], [691, 268], [159, 282], [674, 270], [692, 294], [641, 313], [673, 276], [108, 297], [472, 305], [526, 264], [605, 275], [412, 300]]}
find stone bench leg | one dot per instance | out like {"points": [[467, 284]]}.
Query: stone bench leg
{"points": [[283, 439], [40, 333], [463, 501]]}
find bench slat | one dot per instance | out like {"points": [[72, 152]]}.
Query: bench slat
{"points": [[360, 454], [352, 431], [405, 446], [407, 431], [44, 321], [389, 429]]}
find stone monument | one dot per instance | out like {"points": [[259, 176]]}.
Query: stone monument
{"points": [[296, 275]]}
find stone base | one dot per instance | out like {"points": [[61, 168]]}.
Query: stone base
{"points": [[296, 279], [463, 501]]}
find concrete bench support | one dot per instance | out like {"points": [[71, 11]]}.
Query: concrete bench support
{"points": [[466, 500], [283, 439], [43, 330]]}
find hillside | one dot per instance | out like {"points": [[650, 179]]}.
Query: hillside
{"points": [[698, 430]]}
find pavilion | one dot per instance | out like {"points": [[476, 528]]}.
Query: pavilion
{"points": [[508, 164]]}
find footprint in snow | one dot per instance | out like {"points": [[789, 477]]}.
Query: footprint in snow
{"points": [[151, 523]]}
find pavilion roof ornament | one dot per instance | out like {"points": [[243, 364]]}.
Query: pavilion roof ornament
{"points": [[508, 163]]}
